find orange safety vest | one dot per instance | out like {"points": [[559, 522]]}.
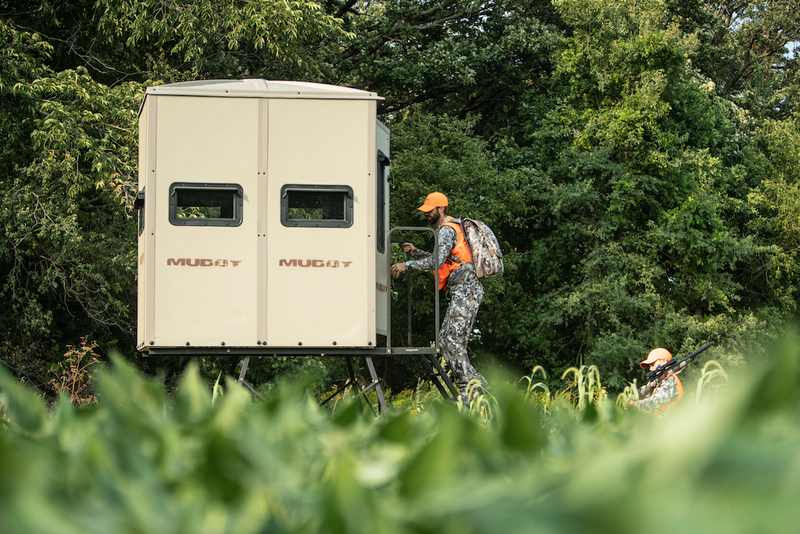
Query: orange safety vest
{"points": [[660, 411], [460, 251]]}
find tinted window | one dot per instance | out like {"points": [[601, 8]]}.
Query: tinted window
{"points": [[317, 206], [382, 163], [205, 204]]}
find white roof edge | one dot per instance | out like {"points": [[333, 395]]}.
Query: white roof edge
{"points": [[259, 88]]}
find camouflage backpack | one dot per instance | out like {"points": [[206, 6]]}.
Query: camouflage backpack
{"points": [[487, 258]]}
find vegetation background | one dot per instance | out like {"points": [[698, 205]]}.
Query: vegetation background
{"points": [[639, 162]]}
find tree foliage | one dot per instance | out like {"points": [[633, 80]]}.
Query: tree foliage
{"points": [[638, 160], [642, 221], [749, 58], [68, 165], [455, 57], [118, 40]]}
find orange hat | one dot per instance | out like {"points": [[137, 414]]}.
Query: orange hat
{"points": [[655, 355], [434, 200]]}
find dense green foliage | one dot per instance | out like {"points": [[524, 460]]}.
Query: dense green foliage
{"points": [[638, 200], [638, 160], [645, 231], [140, 461]]}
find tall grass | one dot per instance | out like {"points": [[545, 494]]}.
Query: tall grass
{"points": [[532, 388]]}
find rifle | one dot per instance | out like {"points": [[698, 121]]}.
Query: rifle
{"points": [[673, 367]]}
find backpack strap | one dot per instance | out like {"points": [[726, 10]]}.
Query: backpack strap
{"points": [[451, 256]]}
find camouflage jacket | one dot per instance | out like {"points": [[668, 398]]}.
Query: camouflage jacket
{"points": [[424, 261], [665, 392]]}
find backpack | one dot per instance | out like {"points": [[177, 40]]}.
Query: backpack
{"points": [[487, 258]]}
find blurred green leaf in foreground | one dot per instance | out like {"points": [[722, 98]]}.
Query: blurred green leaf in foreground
{"points": [[141, 462]]}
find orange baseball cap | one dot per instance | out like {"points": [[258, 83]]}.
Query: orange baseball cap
{"points": [[655, 355], [434, 200]]}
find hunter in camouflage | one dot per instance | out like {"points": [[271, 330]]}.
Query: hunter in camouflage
{"points": [[669, 389], [463, 285]]}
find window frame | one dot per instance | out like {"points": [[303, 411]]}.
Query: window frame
{"points": [[238, 204], [382, 163], [140, 207], [347, 222]]}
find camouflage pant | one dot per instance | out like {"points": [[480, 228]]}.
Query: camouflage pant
{"points": [[465, 299]]}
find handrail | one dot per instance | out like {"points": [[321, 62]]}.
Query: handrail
{"points": [[389, 269]]}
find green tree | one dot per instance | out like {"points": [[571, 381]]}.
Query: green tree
{"points": [[449, 56], [65, 201], [748, 57], [644, 230], [119, 40]]}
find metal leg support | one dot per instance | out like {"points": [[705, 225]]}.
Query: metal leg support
{"points": [[351, 381], [376, 385], [245, 383]]}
